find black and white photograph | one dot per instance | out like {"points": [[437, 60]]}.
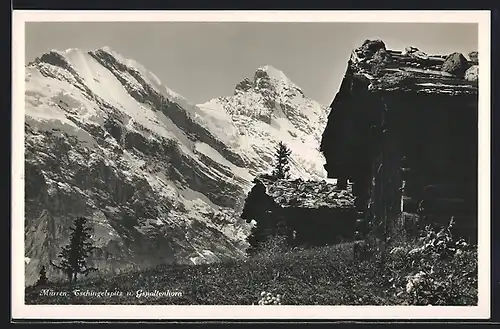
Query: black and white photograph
{"points": [[251, 165]]}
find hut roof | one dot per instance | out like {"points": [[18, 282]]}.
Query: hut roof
{"points": [[307, 194], [413, 70]]}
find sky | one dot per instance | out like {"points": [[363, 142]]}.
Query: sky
{"points": [[205, 60]]}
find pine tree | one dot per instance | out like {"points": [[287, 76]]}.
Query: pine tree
{"points": [[282, 169], [42, 279], [73, 256]]}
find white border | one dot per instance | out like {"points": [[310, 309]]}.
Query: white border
{"points": [[21, 311]]}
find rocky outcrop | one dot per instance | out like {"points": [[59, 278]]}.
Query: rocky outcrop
{"points": [[415, 53]]}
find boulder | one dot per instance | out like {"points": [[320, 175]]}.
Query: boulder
{"points": [[472, 74], [369, 48], [455, 64], [374, 56], [473, 57], [381, 56], [409, 50], [415, 53]]}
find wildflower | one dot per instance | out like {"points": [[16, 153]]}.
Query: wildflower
{"points": [[396, 250], [269, 299], [417, 250], [418, 278], [409, 286]]}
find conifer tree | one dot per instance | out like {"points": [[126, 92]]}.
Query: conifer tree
{"points": [[73, 256], [282, 168], [42, 279]]}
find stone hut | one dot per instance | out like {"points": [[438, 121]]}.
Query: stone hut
{"points": [[315, 212]]}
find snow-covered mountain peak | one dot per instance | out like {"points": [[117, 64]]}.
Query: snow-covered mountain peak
{"points": [[162, 179], [273, 82], [106, 49], [272, 73], [63, 54], [134, 67], [268, 108], [104, 138], [270, 82], [125, 69]]}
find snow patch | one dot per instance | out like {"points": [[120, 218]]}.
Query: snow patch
{"points": [[147, 75], [216, 156], [205, 256]]}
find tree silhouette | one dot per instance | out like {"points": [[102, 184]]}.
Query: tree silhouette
{"points": [[282, 168], [42, 279], [73, 256]]}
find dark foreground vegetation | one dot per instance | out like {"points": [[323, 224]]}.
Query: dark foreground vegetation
{"points": [[436, 270]]}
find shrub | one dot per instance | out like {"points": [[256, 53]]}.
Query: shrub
{"points": [[273, 246], [363, 250], [439, 270]]}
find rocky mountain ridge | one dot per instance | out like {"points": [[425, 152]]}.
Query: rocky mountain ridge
{"points": [[161, 179]]}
